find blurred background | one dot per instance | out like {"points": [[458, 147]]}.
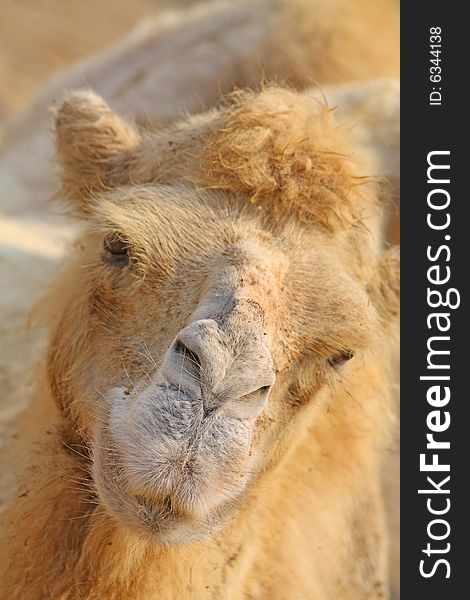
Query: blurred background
{"points": [[41, 37]]}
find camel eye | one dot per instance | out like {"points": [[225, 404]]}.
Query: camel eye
{"points": [[116, 248], [338, 359]]}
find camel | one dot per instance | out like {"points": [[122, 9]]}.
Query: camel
{"points": [[237, 361]]}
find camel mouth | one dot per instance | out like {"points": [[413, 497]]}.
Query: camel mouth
{"points": [[160, 519], [161, 492], [165, 523]]}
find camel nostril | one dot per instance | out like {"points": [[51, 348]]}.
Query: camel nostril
{"points": [[248, 405], [259, 393], [186, 354]]}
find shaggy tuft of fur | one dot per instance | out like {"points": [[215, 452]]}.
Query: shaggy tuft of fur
{"points": [[284, 149], [278, 148]]}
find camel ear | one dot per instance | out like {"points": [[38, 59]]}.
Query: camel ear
{"points": [[385, 288], [89, 140]]}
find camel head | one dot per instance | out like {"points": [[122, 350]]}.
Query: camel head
{"points": [[227, 279]]}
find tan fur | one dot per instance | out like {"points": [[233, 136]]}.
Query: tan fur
{"points": [[92, 137], [318, 429], [284, 149], [310, 523], [277, 146]]}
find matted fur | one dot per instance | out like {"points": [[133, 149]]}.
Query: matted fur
{"points": [[285, 150], [277, 146]]}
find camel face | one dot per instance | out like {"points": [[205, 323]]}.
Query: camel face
{"points": [[177, 448], [195, 330], [196, 341]]}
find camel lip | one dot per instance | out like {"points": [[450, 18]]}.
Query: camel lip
{"points": [[156, 519], [160, 490], [161, 523], [161, 508]]}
